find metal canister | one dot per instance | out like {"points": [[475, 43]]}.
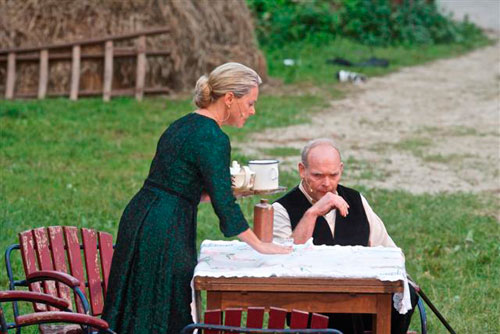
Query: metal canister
{"points": [[263, 215]]}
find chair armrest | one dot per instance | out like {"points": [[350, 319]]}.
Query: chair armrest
{"points": [[52, 275], [67, 317], [36, 297]]}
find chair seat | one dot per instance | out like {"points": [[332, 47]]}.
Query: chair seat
{"points": [[60, 329]]}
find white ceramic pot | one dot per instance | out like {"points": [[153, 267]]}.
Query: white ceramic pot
{"points": [[266, 174], [241, 177]]}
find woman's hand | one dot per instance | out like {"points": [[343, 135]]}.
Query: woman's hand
{"points": [[263, 247], [270, 248]]}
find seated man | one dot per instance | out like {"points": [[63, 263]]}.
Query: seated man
{"points": [[321, 208]]}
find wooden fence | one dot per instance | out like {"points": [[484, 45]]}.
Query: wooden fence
{"points": [[72, 52]]}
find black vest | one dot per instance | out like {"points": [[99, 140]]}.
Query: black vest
{"points": [[353, 230]]}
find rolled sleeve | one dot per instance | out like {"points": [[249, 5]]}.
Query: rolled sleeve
{"points": [[282, 227]]}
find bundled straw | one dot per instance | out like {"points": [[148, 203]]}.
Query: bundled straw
{"points": [[203, 34]]}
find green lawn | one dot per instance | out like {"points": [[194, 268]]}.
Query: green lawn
{"points": [[311, 60], [78, 163]]}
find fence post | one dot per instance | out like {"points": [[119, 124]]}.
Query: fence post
{"points": [[141, 68], [44, 73], [75, 73], [108, 70], [11, 76]]}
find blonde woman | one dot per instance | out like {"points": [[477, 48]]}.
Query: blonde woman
{"points": [[155, 253]]}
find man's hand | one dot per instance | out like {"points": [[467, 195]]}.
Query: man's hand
{"points": [[329, 202], [304, 229]]}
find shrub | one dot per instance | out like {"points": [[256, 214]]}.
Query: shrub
{"points": [[379, 22], [371, 22], [281, 21]]}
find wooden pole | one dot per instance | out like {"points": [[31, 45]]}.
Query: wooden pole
{"points": [[44, 73], [117, 53], [108, 70], [92, 41], [141, 68], [75, 73], [11, 76]]}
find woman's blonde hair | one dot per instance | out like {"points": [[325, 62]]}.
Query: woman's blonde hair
{"points": [[229, 77]]}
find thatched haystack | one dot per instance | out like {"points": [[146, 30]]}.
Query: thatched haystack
{"points": [[203, 34]]}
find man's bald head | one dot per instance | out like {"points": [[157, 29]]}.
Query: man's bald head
{"points": [[327, 146], [321, 168]]}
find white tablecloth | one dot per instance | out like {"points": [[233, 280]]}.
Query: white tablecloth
{"points": [[237, 259]]}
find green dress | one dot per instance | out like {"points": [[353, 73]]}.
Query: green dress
{"points": [[155, 255]]}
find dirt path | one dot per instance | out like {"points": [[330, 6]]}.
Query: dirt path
{"points": [[430, 128]]}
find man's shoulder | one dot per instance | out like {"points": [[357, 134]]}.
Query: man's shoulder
{"points": [[349, 194], [344, 189]]}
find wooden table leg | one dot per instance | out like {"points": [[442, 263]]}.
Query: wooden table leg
{"points": [[198, 302], [382, 320]]}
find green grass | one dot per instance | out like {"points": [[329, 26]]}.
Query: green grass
{"points": [[281, 152], [457, 131], [311, 67], [419, 146], [279, 111], [79, 163], [451, 247], [449, 158], [66, 163], [415, 145], [60, 159], [358, 170]]}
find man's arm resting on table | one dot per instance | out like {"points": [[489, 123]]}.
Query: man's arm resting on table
{"points": [[282, 227], [305, 228]]}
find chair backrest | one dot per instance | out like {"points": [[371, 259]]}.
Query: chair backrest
{"points": [[60, 248], [255, 318]]}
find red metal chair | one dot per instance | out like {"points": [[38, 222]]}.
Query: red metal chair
{"points": [[87, 322], [59, 259], [301, 322]]}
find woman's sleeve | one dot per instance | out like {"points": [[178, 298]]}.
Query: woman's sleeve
{"points": [[214, 157]]}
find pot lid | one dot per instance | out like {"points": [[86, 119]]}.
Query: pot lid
{"points": [[263, 162]]}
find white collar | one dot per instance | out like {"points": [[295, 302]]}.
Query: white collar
{"points": [[303, 190]]}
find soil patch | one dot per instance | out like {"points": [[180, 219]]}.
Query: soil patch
{"points": [[424, 129]]}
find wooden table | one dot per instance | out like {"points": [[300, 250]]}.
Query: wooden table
{"points": [[308, 294]]}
